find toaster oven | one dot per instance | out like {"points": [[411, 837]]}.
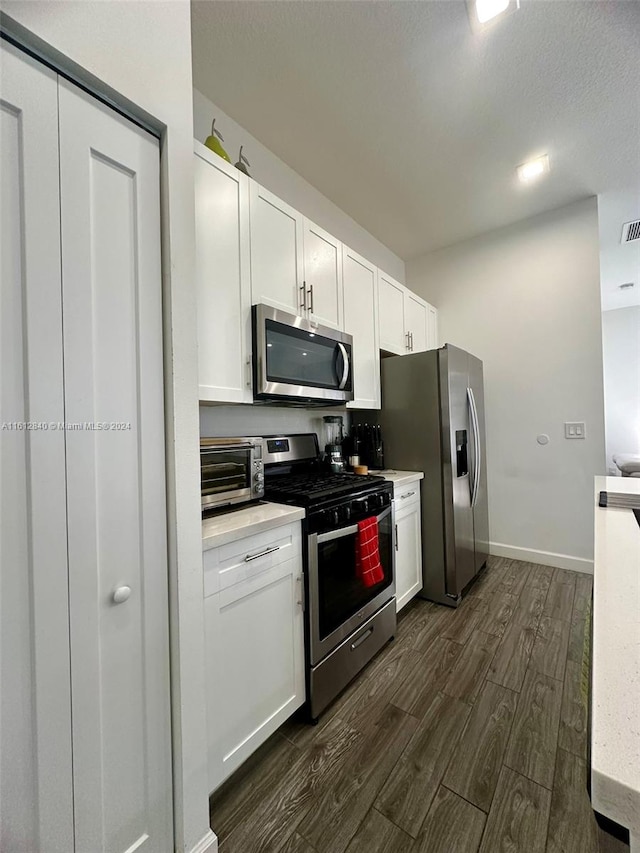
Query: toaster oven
{"points": [[231, 472]]}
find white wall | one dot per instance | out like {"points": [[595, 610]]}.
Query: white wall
{"points": [[619, 262], [276, 176], [621, 355], [139, 53], [265, 420], [526, 300]]}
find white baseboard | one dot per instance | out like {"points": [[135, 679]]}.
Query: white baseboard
{"points": [[544, 558], [207, 844]]}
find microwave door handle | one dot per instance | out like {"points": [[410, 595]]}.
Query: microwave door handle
{"points": [[345, 368]]}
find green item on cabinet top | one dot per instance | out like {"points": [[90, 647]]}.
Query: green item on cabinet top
{"points": [[213, 142]]}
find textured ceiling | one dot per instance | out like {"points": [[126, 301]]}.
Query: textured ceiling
{"points": [[412, 124]]}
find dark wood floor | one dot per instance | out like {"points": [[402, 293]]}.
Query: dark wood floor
{"points": [[467, 733]]}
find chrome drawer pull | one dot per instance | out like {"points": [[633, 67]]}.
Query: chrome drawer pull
{"points": [[361, 639], [408, 495], [264, 553]]}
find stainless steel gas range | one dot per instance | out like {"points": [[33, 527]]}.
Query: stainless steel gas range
{"points": [[347, 622]]}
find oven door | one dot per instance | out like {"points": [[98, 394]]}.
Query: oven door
{"points": [[296, 359], [338, 601]]}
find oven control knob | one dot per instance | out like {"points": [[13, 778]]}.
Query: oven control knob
{"points": [[346, 512], [259, 478], [335, 517]]}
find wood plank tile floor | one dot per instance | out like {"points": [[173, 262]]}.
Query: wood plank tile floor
{"points": [[466, 733]]}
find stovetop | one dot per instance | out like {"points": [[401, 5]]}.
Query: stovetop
{"points": [[309, 488]]}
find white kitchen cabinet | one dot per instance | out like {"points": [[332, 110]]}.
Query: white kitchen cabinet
{"points": [[85, 724], [391, 296], [407, 322], [254, 643], [361, 321], [323, 276], [276, 252], [408, 543], [223, 279]]}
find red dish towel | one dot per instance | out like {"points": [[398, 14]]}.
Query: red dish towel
{"points": [[368, 566]]}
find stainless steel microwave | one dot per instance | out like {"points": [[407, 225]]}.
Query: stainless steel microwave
{"points": [[299, 362], [231, 471]]}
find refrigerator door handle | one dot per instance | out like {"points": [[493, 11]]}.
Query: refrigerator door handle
{"points": [[476, 446]]}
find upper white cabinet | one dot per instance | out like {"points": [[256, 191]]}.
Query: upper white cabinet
{"points": [[223, 279], [276, 252], [416, 315], [407, 322], [361, 321], [322, 276], [391, 311]]}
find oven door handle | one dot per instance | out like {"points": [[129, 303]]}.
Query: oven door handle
{"points": [[347, 531]]}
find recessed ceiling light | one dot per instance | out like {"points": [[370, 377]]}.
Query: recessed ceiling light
{"points": [[481, 12], [487, 9], [533, 169]]}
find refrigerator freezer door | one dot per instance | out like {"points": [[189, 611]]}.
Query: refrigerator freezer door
{"points": [[481, 508], [457, 449]]}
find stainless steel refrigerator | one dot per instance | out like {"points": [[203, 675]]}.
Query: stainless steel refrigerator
{"points": [[433, 421]]}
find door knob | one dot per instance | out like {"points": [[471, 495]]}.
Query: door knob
{"points": [[120, 594]]}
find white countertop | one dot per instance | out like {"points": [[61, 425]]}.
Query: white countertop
{"points": [[230, 526], [400, 478], [615, 733]]}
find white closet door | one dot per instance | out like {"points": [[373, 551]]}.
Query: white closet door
{"points": [[36, 809], [109, 183]]}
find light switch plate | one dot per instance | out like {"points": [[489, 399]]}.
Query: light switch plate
{"points": [[574, 429]]}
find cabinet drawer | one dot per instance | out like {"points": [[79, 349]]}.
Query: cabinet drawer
{"points": [[407, 495], [246, 558]]}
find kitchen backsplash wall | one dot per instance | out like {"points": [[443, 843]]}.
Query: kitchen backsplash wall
{"points": [[264, 420]]}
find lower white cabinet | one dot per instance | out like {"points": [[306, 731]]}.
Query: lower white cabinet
{"points": [[254, 636], [408, 543]]}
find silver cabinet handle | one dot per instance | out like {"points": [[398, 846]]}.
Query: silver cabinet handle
{"points": [[396, 526], [264, 553], [310, 292], [411, 340], [345, 370], [121, 594], [300, 602], [303, 304], [249, 372], [408, 495], [408, 336]]}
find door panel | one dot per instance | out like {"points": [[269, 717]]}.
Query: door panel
{"points": [[391, 310], [432, 327], [456, 440], [408, 555], [276, 252], [223, 280], [109, 174], [35, 713], [415, 322], [323, 276], [361, 321], [481, 509]]}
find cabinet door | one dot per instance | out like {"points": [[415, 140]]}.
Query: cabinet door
{"points": [[112, 304], [254, 637], [36, 788], [432, 327], [416, 321], [276, 253], [223, 279], [323, 276], [391, 313], [408, 554], [361, 321]]}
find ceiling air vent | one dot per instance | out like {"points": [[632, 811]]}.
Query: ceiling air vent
{"points": [[630, 231]]}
